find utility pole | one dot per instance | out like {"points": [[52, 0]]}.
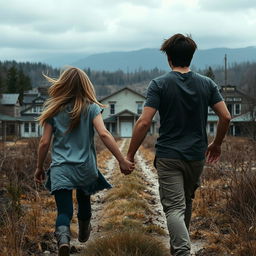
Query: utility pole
{"points": [[226, 71]]}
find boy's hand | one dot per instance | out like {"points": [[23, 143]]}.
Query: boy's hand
{"points": [[126, 166], [39, 175], [213, 153]]}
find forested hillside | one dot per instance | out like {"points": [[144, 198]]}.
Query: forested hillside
{"points": [[17, 77]]}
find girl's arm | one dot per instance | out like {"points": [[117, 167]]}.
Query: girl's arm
{"points": [[106, 137], [43, 148]]}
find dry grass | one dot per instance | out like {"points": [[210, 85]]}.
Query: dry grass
{"points": [[127, 206], [20, 201], [126, 244], [225, 205], [27, 212]]}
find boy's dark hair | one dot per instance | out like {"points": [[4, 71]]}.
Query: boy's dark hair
{"points": [[179, 49]]}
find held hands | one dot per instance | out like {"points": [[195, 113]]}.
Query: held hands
{"points": [[39, 175], [126, 166], [213, 153]]}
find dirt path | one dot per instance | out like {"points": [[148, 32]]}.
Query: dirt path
{"points": [[152, 180]]}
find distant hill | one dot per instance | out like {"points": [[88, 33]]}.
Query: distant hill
{"points": [[150, 58]]}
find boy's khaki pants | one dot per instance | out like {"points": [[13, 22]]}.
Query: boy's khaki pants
{"points": [[178, 181]]}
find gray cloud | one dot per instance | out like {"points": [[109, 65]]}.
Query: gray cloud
{"points": [[32, 29], [228, 5]]}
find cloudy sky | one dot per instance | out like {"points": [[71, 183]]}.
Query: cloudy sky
{"points": [[36, 30]]}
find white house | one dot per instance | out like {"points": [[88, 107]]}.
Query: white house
{"points": [[32, 108], [124, 108]]}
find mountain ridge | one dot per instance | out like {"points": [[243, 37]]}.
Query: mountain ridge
{"points": [[150, 58]]}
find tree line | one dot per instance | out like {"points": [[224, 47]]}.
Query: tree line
{"points": [[15, 77], [13, 80]]}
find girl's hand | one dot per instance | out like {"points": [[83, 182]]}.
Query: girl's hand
{"points": [[126, 166], [39, 175]]}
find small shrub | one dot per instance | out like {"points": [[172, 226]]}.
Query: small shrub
{"points": [[126, 244]]}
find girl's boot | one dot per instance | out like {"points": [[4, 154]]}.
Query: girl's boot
{"points": [[62, 235], [84, 230]]}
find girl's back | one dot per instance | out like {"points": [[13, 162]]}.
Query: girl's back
{"points": [[76, 146]]}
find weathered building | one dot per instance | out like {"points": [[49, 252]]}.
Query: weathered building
{"points": [[241, 108], [125, 107]]}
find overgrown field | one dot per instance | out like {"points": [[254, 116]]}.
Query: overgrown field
{"points": [[28, 211], [224, 210], [224, 214]]}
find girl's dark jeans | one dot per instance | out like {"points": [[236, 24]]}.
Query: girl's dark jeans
{"points": [[64, 203]]}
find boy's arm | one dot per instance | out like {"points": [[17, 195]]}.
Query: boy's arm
{"points": [[140, 130], [43, 148], [214, 149]]}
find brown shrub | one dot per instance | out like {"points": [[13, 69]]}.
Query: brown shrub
{"points": [[124, 244]]}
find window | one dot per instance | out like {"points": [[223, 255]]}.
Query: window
{"points": [[139, 107], [113, 128], [34, 110], [211, 127], [33, 127], [112, 108], [237, 109], [41, 109], [26, 127], [230, 109], [17, 112]]}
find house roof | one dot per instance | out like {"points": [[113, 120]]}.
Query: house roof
{"points": [[238, 90], [28, 99], [8, 118], [43, 90], [113, 117], [247, 117], [118, 91], [9, 98], [28, 118], [212, 118]]}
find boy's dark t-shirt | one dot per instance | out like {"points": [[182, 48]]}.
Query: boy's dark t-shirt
{"points": [[182, 101]]}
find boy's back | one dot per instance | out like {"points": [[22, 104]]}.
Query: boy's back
{"points": [[182, 101]]}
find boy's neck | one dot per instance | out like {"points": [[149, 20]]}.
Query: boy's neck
{"points": [[181, 69]]}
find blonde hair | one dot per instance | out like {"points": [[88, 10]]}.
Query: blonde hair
{"points": [[74, 86]]}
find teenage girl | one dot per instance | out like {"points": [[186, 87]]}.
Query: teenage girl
{"points": [[70, 116]]}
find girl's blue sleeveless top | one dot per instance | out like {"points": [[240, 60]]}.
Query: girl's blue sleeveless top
{"points": [[74, 164]]}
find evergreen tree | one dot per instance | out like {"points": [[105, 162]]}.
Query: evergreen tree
{"points": [[1, 84], [24, 84], [12, 80], [209, 73]]}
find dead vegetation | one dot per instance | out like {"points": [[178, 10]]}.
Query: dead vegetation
{"points": [[224, 214], [225, 205], [125, 244], [21, 205]]}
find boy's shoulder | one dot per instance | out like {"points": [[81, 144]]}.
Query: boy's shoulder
{"points": [[202, 77], [163, 77]]}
